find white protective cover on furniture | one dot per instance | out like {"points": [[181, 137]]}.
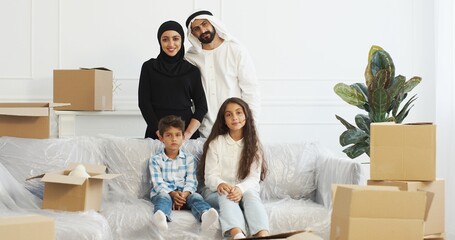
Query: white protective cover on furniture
{"points": [[296, 192]]}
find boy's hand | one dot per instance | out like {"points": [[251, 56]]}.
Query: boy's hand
{"points": [[178, 200], [185, 194]]}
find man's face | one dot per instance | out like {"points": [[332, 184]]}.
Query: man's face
{"points": [[203, 30]]}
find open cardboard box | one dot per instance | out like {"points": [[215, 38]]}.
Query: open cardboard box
{"points": [[403, 151], [27, 119], [26, 227], [295, 235], [378, 212], [70, 193], [434, 224]]}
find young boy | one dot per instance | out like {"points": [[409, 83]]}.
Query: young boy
{"points": [[173, 174]]}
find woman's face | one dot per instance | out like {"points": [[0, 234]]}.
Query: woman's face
{"points": [[171, 42]]}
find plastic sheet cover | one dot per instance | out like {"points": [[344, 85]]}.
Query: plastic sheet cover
{"points": [[16, 200], [296, 192]]}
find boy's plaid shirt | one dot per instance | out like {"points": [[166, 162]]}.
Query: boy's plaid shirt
{"points": [[172, 174]]}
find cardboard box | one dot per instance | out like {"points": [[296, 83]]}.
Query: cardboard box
{"points": [[295, 235], [27, 227], [26, 120], [435, 220], [85, 89], [369, 212], [70, 193], [403, 152], [435, 237]]}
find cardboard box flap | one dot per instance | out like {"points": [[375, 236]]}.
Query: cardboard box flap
{"points": [[412, 205], [28, 109], [411, 123], [362, 187], [59, 178], [97, 68], [419, 123], [52, 105], [105, 176], [295, 235], [25, 111], [24, 104], [92, 169], [430, 196]]}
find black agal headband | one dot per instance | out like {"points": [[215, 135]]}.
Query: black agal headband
{"points": [[192, 16]]}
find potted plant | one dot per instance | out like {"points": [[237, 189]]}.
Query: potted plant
{"points": [[380, 96]]}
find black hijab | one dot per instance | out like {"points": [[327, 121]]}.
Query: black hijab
{"points": [[165, 64]]}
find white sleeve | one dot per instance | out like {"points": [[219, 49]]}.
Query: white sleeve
{"points": [[212, 167], [248, 82]]}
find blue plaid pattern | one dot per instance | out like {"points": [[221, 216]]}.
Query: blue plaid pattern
{"points": [[172, 174]]}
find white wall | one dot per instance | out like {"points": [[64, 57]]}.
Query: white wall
{"points": [[301, 50], [445, 103]]}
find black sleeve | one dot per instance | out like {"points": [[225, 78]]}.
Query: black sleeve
{"points": [[198, 96], [144, 97]]}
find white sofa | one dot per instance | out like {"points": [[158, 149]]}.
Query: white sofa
{"points": [[296, 192]]}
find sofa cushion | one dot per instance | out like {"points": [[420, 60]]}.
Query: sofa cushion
{"points": [[291, 171], [286, 215], [130, 157]]}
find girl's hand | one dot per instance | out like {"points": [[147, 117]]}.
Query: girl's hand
{"points": [[224, 188], [235, 194]]}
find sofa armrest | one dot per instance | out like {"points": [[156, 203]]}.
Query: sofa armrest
{"points": [[334, 170]]}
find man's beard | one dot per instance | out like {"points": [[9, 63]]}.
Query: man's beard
{"points": [[209, 39]]}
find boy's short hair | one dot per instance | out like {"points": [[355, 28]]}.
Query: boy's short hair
{"points": [[170, 121]]}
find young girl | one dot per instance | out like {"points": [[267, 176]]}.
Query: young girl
{"points": [[233, 166]]}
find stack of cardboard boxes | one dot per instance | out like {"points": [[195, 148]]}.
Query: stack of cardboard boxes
{"points": [[403, 198], [76, 90]]}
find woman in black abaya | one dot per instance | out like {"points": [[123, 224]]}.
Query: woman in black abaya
{"points": [[169, 85]]}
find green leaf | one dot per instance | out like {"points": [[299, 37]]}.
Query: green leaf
{"points": [[396, 86], [349, 94], [411, 83], [381, 60], [381, 80], [373, 50], [361, 87], [352, 136], [363, 122], [368, 74], [357, 150], [379, 102], [405, 110], [344, 122]]}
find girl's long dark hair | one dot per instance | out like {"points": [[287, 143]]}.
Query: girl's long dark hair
{"points": [[251, 151]]}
